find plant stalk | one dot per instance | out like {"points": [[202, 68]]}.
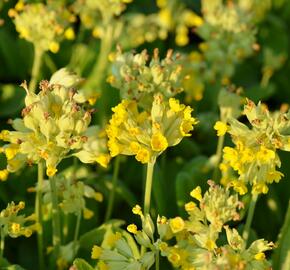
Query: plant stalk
{"points": [[56, 238], [77, 230], [148, 187], [35, 69], [250, 216], [113, 190], [2, 242], [39, 216]]}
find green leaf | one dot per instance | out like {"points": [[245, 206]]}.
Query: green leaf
{"points": [[81, 264], [281, 258]]}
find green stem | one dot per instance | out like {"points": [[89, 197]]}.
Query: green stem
{"points": [[56, 238], [39, 216], [98, 72], [2, 242], [77, 230], [113, 190], [250, 216], [218, 155], [157, 260], [148, 187], [35, 69]]}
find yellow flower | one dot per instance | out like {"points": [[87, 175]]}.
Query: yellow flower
{"points": [[54, 47], [96, 252], [190, 206], [260, 256], [221, 128], [176, 224], [103, 160], [259, 188], [137, 210], [239, 187], [196, 193], [143, 155], [88, 214], [15, 228], [175, 106], [132, 228], [113, 238], [210, 244], [51, 171], [4, 174], [158, 142], [265, 155], [174, 257], [69, 34], [102, 265]]}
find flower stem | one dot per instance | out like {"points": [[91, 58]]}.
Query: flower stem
{"points": [[56, 238], [77, 230], [148, 187], [250, 216], [113, 190], [39, 217], [157, 260], [2, 242], [35, 69]]}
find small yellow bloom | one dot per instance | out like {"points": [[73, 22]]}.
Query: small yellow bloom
{"points": [[51, 171], [54, 47], [163, 246], [88, 214], [11, 152], [210, 244], [176, 224], [19, 6], [196, 193], [135, 147], [4, 174], [132, 228], [143, 155], [102, 265], [221, 128], [15, 228], [96, 252], [103, 160], [190, 206], [175, 106], [260, 256], [181, 39], [98, 32], [259, 188], [99, 197], [113, 238], [158, 142], [239, 187], [137, 210], [174, 257], [69, 34], [265, 155]]}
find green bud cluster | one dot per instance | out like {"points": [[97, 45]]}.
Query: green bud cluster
{"points": [[139, 78], [13, 224]]}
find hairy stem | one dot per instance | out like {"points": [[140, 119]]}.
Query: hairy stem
{"points": [[113, 190], [35, 69], [39, 217], [250, 216], [148, 187], [77, 230], [56, 238]]}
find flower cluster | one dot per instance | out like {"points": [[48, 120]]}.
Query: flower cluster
{"points": [[139, 79], [146, 135], [15, 225], [42, 25], [54, 123], [187, 244], [255, 156]]}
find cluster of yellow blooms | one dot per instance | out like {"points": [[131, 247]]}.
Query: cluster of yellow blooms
{"points": [[254, 156], [42, 25], [54, 123], [147, 134], [15, 225], [187, 243]]}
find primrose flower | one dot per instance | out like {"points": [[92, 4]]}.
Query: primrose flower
{"points": [[16, 225], [40, 25], [254, 157], [146, 135], [139, 79], [54, 123]]}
